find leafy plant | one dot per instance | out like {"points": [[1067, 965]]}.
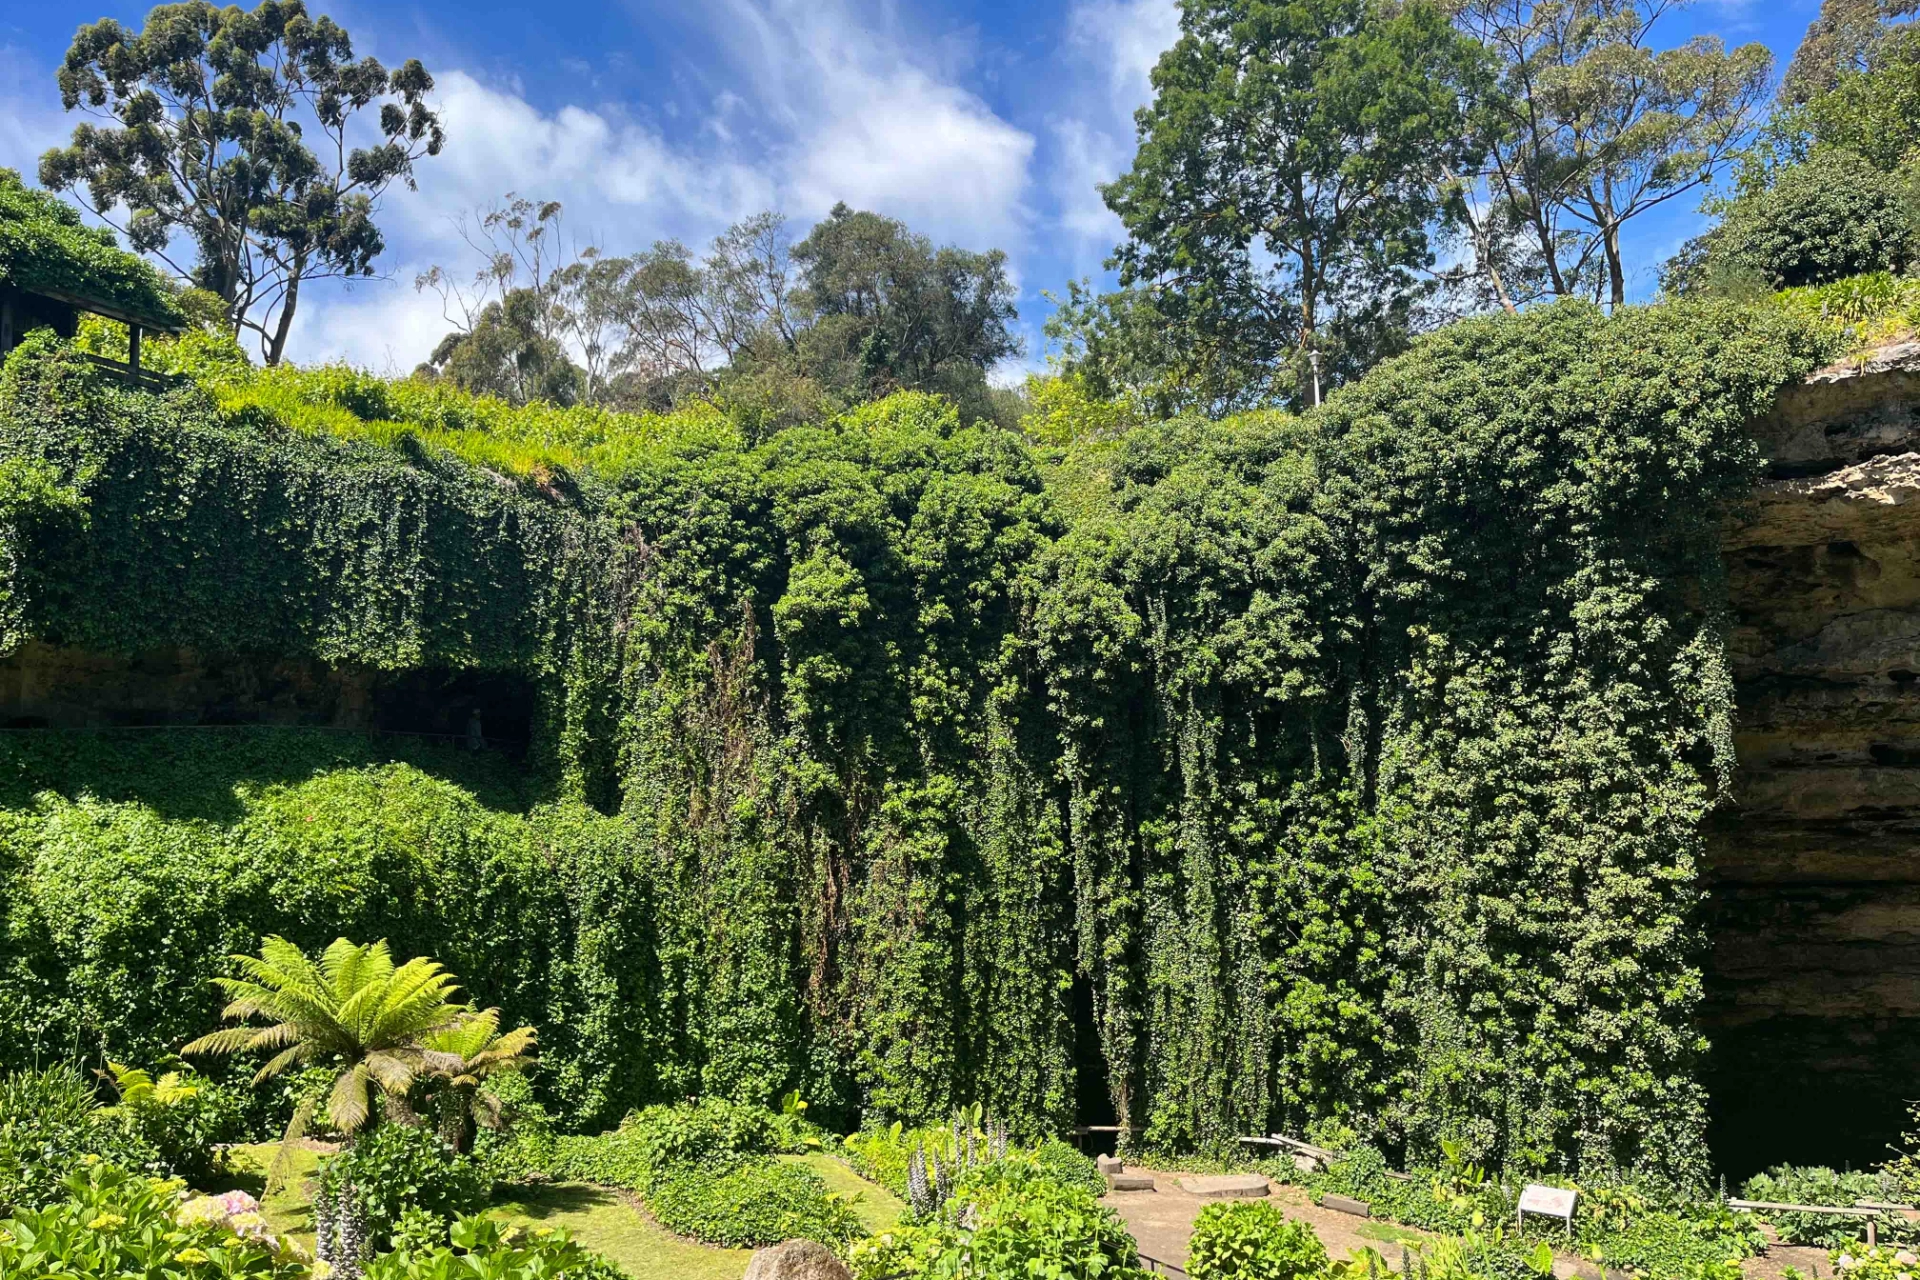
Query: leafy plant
{"points": [[181, 1117], [749, 1203], [392, 1169], [483, 1249], [711, 1129], [1803, 1184], [1006, 1221], [114, 1225], [353, 1007], [458, 1059], [50, 1121], [1253, 1240]]}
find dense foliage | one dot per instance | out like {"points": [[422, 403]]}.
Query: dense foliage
{"points": [[1345, 765], [112, 1225], [1828, 217], [750, 1203], [483, 1247], [1790, 1184], [1006, 1222], [1253, 1240], [397, 1167], [1660, 1235], [45, 246]]}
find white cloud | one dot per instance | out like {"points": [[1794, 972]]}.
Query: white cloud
{"points": [[31, 120], [874, 116], [1126, 37], [1115, 43]]}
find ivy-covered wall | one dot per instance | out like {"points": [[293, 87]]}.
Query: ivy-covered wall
{"points": [[1347, 766]]}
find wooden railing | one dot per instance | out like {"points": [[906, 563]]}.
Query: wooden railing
{"points": [[145, 379]]}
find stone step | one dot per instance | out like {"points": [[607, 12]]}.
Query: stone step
{"points": [[1130, 1181]]}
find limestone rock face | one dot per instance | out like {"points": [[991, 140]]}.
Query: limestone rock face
{"points": [[796, 1260], [1814, 867]]}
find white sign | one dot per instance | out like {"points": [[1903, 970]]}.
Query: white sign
{"points": [[1552, 1202]]}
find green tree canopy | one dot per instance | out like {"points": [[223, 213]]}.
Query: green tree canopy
{"points": [[210, 117], [1284, 186], [1827, 217]]}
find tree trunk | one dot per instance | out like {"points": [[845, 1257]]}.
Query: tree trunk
{"points": [[278, 346], [1616, 270]]}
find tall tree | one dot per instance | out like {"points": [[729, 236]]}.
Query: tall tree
{"points": [[1285, 184], [890, 310], [231, 127], [1591, 125]]}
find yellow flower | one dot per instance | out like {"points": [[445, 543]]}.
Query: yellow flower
{"points": [[191, 1257], [322, 1269], [107, 1222]]}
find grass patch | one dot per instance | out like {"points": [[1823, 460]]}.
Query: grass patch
{"points": [[1388, 1233], [875, 1206], [603, 1221]]}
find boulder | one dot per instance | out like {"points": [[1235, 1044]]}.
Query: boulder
{"points": [[796, 1260], [1108, 1164], [1232, 1186]]}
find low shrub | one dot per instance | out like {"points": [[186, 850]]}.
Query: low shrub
{"points": [[1013, 1221], [523, 1147], [182, 1117], [753, 1202], [1068, 1166], [1801, 1184], [1253, 1240], [1662, 1238], [475, 1247], [612, 1159], [689, 1132], [49, 1121], [393, 1168], [883, 1156], [115, 1225]]}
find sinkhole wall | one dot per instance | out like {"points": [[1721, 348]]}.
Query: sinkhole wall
{"points": [[1814, 917], [1222, 777]]}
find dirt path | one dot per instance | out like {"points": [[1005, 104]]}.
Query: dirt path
{"points": [[1161, 1220]]}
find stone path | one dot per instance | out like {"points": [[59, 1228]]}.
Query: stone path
{"points": [[1162, 1219]]}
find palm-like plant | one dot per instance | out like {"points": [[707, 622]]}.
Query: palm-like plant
{"points": [[460, 1057], [353, 1009]]}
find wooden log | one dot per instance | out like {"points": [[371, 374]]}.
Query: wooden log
{"points": [[1347, 1204]]}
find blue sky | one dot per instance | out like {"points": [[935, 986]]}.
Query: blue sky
{"points": [[984, 125]]}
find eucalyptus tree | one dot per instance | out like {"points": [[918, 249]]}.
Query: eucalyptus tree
{"points": [[231, 128], [1590, 124]]}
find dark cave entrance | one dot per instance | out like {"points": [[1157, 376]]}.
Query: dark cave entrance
{"points": [[1093, 1090], [1813, 994]]}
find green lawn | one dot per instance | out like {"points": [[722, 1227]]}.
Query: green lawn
{"points": [[601, 1219], [606, 1223], [877, 1207]]}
